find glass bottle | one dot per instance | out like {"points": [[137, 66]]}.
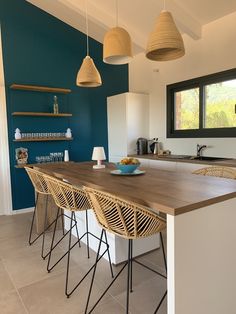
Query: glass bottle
{"points": [[55, 106]]}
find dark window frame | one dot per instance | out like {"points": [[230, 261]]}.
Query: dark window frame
{"points": [[197, 82]]}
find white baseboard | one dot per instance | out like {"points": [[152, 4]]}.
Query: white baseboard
{"points": [[22, 211]]}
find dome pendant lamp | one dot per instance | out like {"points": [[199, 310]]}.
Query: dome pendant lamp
{"points": [[117, 45], [165, 42], [88, 75]]}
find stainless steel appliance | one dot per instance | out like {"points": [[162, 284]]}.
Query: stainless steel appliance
{"points": [[142, 146]]}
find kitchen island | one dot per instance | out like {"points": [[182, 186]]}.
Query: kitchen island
{"points": [[201, 233]]}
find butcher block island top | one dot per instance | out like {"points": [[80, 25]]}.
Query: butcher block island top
{"points": [[166, 191]]}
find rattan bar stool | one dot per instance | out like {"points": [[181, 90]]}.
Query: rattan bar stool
{"points": [[129, 221], [71, 198], [40, 187], [223, 172]]}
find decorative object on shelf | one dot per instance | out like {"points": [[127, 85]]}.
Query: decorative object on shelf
{"points": [[66, 155], [98, 155], [88, 75], [52, 157], [117, 44], [68, 133], [165, 41], [21, 155], [55, 105], [17, 134]]}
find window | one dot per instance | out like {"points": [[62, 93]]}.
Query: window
{"points": [[203, 107]]}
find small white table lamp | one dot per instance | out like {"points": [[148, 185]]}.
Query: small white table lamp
{"points": [[99, 155]]}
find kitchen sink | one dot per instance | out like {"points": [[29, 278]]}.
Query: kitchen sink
{"points": [[187, 157], [209, 158]]}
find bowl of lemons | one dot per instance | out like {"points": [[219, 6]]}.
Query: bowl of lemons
{"points": [[128, 165]]}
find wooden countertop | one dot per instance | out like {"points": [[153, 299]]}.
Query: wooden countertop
{"points": [[167, 191], [225, 163]]}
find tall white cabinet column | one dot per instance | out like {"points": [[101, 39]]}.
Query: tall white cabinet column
{"points": [[128, 119]]}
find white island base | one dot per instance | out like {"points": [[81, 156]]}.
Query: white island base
{"points": [[201, 253]]}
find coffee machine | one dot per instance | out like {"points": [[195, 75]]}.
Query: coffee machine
{"points": [[142, 146]]}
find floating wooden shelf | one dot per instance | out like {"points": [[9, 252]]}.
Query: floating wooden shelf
{"points": [[41, 88], [41, 114], [44, 139]]}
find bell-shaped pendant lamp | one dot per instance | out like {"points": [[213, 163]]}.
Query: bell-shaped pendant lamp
{"points": [[88, 75], [117, 45], [165, 42]]}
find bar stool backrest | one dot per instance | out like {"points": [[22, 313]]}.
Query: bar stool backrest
{"points": [[126, 219], [38, 181], [67, 196], [223, 172]]}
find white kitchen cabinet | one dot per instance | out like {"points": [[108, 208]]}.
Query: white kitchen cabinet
{"points": [[144, 162], [163, 165], [128, 119], [189, 167]]}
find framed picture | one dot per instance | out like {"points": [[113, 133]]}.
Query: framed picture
{"points": [[21, 155]]}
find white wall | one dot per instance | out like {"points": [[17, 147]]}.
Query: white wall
{"points": [[214, 52], [5, 183]]}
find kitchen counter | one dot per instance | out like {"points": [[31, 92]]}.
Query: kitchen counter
{"points": [[177, 158], [201, 253], [169, 192]]}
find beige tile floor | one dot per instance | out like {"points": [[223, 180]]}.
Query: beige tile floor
{"points": [[26, 287]]}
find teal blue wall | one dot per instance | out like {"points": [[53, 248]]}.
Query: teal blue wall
{"points": [[39, 49]]}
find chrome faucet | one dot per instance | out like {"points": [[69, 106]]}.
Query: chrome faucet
{"points": [[199, 149]]}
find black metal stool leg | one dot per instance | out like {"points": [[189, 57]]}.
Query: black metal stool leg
{"points": [[94, 271], [164, 257], [163, 251], [131, 265], [32, 222], [44, 227], [76, 228], [87, 232], [68, 256], [53, 237], [108, 253], [62, 222], [160, 303], [128, 277]]}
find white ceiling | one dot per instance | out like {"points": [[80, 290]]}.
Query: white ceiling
{"points": [[137, 16]]}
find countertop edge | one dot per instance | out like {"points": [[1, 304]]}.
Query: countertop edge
{"points": [[225, 163]]}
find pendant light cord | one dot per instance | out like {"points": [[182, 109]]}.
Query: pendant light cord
{"points": [[86, 18], [116, 13], [164, 5]]}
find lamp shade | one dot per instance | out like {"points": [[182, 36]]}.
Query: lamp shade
{"points": [[117, 46], [165, 42], [88, 75], [98, 153]]}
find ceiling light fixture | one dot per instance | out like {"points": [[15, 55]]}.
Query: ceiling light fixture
{"points": [[117, 45], [88, 75], [165, 41]]}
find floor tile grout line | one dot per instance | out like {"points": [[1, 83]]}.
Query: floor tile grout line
{"points": [[16, 289]]}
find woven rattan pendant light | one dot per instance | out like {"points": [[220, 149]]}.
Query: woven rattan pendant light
{"points": [[88, 75], [165, 42], [117, 45]]}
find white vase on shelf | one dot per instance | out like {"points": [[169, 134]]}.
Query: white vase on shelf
{"points": [[66, 155], [17, 134], [68, 133]]}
